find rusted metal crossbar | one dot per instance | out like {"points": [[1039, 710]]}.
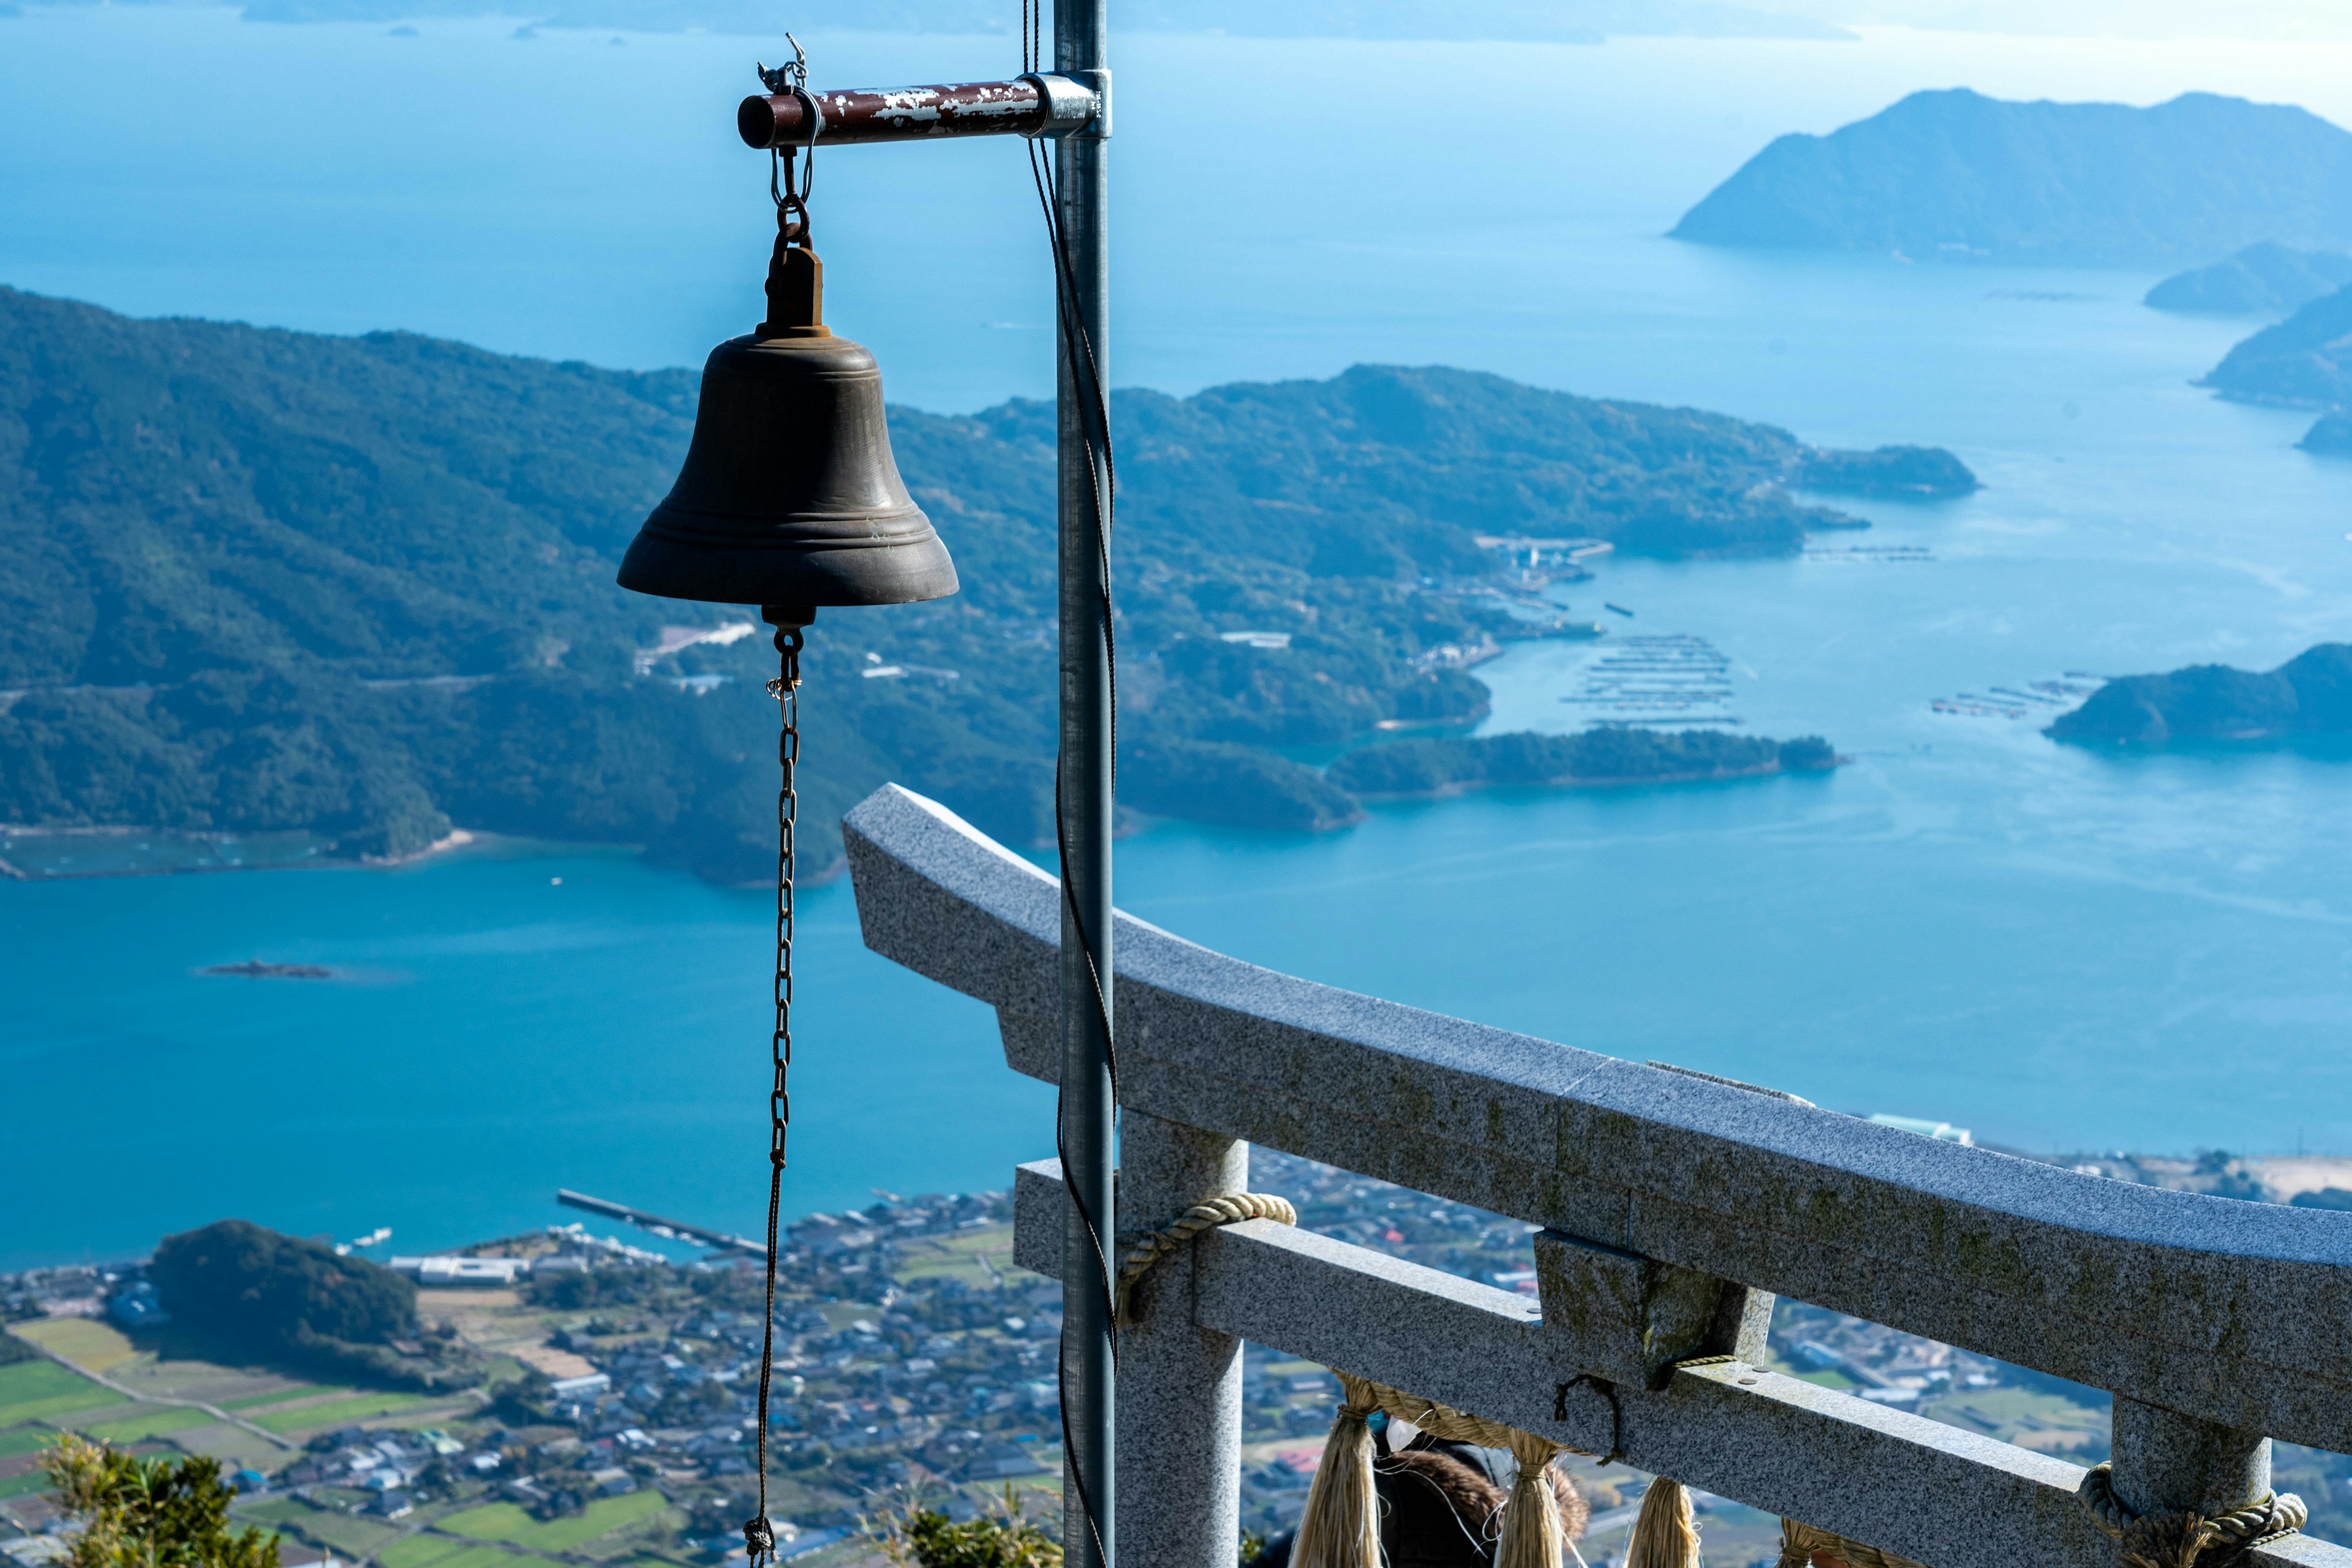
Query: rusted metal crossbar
{"points": [[1039, 105]]}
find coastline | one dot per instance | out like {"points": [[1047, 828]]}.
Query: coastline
{"points": [[1715, 775], [450, 842]]}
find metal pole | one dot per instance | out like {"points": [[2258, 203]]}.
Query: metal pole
{"points": [[1090, 1487]]}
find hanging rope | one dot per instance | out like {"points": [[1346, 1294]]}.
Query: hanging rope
{"points": [[2181, 1540], [759, 1534], [1340, 1528], [1146, 1251]]}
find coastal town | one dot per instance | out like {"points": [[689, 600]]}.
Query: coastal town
{"points": [[612, 1421]]}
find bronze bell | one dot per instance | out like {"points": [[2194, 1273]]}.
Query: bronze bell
{"points": [[789, 495]]}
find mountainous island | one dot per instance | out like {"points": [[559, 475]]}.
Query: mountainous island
{"points": [[257, 580], [1954, 175], [2309, 695], [2265, 279]]}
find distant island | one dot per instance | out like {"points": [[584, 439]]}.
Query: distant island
{"points": [[2264, 280], [363, 587], [2311, 694], [2304, 361], [1954, 175], [1612, 755]]}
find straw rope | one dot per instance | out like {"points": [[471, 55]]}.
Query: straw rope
{"points": [[1146, 1250], [2182, 1539]]}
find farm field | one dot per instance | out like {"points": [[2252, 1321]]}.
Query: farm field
{"points": [[340, 1412], [280, 1396], [32, 1390], [505, 1522]]}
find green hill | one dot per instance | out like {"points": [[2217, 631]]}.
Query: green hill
{"points": [[253, 579], [2311, 694], [1957, 176]]}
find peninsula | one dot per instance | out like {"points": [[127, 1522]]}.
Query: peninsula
{"points": [[2304, 361], [2309, 695], [2265, 279], [1957, 176], [363, 587], [1606, 756]]}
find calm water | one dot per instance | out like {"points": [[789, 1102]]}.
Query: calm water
{"points": [[2057, 948]]}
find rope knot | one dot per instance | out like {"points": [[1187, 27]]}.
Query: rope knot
{"points": [[758, 1540], [2183, 1538]]}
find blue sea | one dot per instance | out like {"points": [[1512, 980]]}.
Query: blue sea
{"points": [[2059, 949]]}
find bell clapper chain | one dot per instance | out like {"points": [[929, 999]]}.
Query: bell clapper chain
{"points": [[790, 459], [790, 621]]}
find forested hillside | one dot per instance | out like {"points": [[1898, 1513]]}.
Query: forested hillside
{"points": [[255, 579], [2309, 695]]}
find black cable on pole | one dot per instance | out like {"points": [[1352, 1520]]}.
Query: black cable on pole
{"points": [[1077, 348]]}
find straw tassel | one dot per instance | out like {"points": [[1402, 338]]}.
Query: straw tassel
{"points": [[1531, 1532], [1341, 1527], [1802, 1546], [1664, 1536]]}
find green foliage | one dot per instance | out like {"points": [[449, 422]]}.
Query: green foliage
{"points": [[1237, 785], [264, 1293], [922, 1537], [261, 580], [150, 1513]]}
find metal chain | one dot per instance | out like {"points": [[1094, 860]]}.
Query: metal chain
{"points": [[759, 1534]]}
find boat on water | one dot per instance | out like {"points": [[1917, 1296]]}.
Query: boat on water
{"points": [[255, 969], [1619, 608]]}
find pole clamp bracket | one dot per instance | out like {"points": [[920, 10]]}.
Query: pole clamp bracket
{"points": [[1077, 104]]}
